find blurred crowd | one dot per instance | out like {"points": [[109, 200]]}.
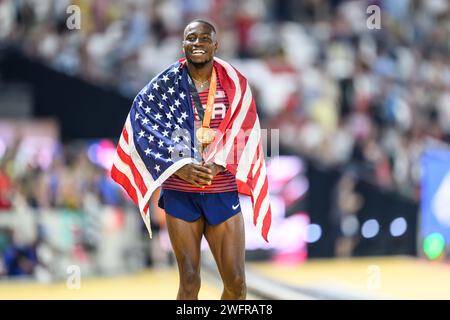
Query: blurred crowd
{"points": [[63, 200], [367, 100], [65, 183]]}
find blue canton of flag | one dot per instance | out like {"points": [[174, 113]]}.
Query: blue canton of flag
{"points": [[163, 121]]}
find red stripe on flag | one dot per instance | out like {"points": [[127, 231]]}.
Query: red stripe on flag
{"points": [[250, 178], [266, 224], [256, 176], [125, 134], [145, 209], [259, 199], [136, 175], [247, 124], [123, 180]]}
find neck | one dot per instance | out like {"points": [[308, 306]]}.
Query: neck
{"points": [[200, 72]]}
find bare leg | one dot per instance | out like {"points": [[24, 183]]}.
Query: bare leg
{"points": [[227, 243], [186, 238]]}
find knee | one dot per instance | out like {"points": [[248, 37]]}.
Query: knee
{"points": [[190, 280], [236, 285]]}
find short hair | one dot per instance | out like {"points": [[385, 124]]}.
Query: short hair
{"points": [[205, 22]]}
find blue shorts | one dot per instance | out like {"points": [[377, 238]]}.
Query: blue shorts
{"points": [[188, 206]]}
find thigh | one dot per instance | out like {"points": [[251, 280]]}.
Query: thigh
{"points": [[186, 238], [227, 243]]}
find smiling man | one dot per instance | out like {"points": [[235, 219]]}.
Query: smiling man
{"points": [[194, 132]]}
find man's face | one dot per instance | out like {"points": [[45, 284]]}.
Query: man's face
{"points": [[199, 43]]}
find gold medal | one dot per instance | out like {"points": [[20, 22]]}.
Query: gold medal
{"points": [[205, 135]]}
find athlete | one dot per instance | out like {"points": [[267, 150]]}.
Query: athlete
{"points": [[193, 131], [202, 200]]}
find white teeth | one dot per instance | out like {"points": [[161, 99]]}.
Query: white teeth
{"points": [[198, 51]]}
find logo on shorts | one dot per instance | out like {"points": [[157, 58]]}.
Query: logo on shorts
{"points": [[235, 207]]}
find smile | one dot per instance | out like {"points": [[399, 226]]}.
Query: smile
{"points": [[198, 52]]}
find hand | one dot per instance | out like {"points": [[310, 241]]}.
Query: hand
{"points": [[215, 168], [195, 174]]}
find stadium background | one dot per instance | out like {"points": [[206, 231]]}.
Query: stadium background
{"points": [[359, 182]]}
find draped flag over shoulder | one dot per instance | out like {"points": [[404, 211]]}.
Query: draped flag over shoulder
{"points": [[158, 139]]}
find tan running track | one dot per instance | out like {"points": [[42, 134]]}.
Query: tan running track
{"points": [[365, 278], [146, 285]]}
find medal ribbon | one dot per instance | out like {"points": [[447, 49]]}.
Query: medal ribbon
{"points": [[205, 115], [211, 98]]}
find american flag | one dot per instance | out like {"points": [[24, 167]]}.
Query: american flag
{"points": [[158, 139]]}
